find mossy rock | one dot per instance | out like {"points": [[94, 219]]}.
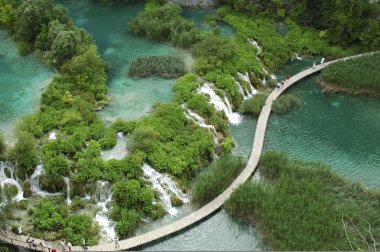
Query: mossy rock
{"points": [[77, 189], [22, 205], [176, 201], [7, 172], [158, 211], [11, 190], [27, 189], [77, 204], [52, 183], [20, 173]]}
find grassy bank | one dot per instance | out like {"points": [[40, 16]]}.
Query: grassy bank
{"points": [[305, 206], [355, 76]]}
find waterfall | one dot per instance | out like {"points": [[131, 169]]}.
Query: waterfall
{"points": [[245, 77], [254, 43], [119, 151], [4, 180], [241, 89], [104, 196], [234, 118], [201, 122], [298, 57], [165, 187], [68, 200], [35, 182], [273, 77], [52, 135], [264, 81], [264, 70]]}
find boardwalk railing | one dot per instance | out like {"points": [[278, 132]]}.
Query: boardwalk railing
{"points": [[215, 204]]}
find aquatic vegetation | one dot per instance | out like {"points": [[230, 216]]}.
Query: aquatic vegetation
{"points": [[357, 75], [163, 66], [216, 178], [305, 206], [285, 103]]}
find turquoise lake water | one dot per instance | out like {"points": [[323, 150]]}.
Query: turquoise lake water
{"points": [[22, 80]]}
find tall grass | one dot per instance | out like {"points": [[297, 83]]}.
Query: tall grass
{"points": [[305, 206], [216, 178], [164, 66], [361, 73]]}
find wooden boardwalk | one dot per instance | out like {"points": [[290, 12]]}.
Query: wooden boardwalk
{"points": [[215, 204]]}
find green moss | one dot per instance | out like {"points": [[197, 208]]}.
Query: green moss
{"points": [[175, 201], [52, 183], [158, 211], [27, 189]]}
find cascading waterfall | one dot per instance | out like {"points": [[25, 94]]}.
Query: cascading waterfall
{"points": [[165, 187], [241, 90], [119, 151], [35, 182], [245, 77], [298, 57], [201, 122], [219, 104], [255, 44], [103, 195], [4, 180], [53, 135], [68, 200]]}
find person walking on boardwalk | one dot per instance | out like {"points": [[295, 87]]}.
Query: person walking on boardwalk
{"points": [[287, 77], [69, 245], [117, 242], [19, 230]]}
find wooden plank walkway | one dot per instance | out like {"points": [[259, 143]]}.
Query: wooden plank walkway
{"points": [[215, 204]]}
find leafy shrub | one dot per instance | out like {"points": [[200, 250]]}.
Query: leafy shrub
{"points": [[253, 105], [58, 166], [128, 223], [81, 227], [47, 217], [24, 152]]}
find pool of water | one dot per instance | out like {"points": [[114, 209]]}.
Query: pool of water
{"points": [[198, 15], [131, 99], [22, 80]]}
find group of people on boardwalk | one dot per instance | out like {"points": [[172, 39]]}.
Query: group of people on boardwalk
{"points": [[280, 84]]}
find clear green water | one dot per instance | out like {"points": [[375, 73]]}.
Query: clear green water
{"points": [[338, 129], [198, 15], [22, 80], [108, 25]]}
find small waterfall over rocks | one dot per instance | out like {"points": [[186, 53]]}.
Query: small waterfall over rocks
{"points": [[219, 104], [298, 57], [255, 44], [53, 135], [201, 122], [245, 77], [119, 151], [4, 180], [165, 187], [241, 89], [68, 200], [35, 182], [103, 195]]}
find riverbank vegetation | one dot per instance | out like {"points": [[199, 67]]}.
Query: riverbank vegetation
{"points": [[216, 178], [163, 66], [285, 103], [356, 76], [305, 206], [253, 105]]}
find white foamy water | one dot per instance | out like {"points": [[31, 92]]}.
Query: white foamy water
{"points": [[165, 187], [35, 182], [255, 44], [103, 195], [245, 77], [219, 104], [197, 119], [68, 200], [4, 180], [53, 135], [298, 57], [119, 151]]}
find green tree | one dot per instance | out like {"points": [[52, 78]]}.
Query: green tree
{"points": [[128, 223], [24, 152], [64, 46]]}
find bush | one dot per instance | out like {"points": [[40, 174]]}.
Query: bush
{"points": [[58, 166], [253, 105], [162, 66], [216, 178], [81, 227], [143, 139], [47, 217], [128, 223], [24, 152], [175, 201], [285, 103]]}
